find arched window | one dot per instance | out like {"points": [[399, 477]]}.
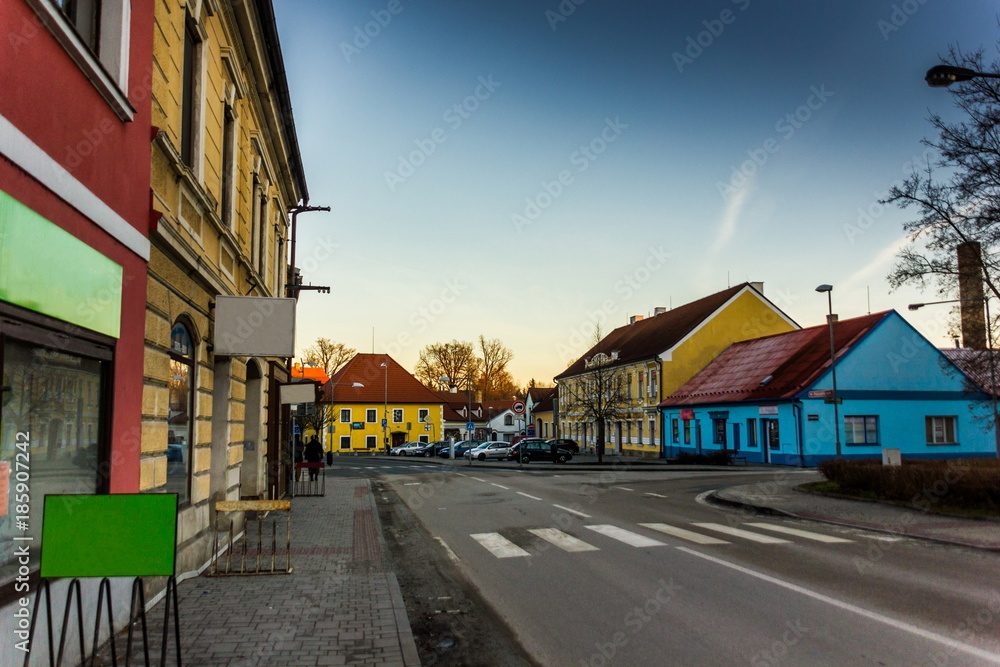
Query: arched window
{"points": [[180, 420], [508, 420]]}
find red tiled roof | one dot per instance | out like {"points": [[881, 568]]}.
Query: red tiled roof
{"points": [[793, 361], [393, 383], [649, 337], [976, 366]]}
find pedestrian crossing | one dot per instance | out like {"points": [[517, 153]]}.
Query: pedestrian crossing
{"points": [[503, 547]]}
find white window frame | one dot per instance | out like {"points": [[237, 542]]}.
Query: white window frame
{"points": [[370, 442], [345, 439], [929, 425], [371, 416], [423, 414], [106, 70], [399, 412], [345, 411]]}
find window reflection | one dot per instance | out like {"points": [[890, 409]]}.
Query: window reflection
{"points": [[179, 418]]}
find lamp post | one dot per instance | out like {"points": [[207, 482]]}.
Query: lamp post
{"points": [[385, 407], [942, 76], [339, 384], [993, 369], [833, 363]]}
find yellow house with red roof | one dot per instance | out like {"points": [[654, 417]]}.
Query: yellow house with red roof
{"points": [[376, 404]]}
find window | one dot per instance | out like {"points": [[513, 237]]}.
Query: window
{"points": [[861, 430], [653, 387], [189, 93], [675, 431], [397, 415], [628, 386], [719, 431], [52, 421], [941, 430], [180, 418], [371, 416], [228, 165], [640, 386], [370, 441], [687, 431], [751, 432], [771, 433], [83, 16], [652, 432], [345, 415], [423, 438], [638, 429], [508, 420], [423, 414], [345, 442]]}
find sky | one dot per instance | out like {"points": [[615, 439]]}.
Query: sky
{"points": [[526, 170]]}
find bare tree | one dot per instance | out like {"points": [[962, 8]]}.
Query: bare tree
{"points": [[456, 359], [329, 355], [597, 394], [502, 388], [493, 360]]}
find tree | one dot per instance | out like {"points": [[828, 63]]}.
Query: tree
{"points": [[597, 394], [454, 360], [493, 360], [329, 355], [962, 205], [502, 388]]}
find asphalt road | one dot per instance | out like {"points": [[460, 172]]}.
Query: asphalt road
{"points": [[580, 567]]}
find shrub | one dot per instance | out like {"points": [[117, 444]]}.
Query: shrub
{"points": [[970, 483]]}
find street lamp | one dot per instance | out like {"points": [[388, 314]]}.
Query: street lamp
{"points": [[993, 371], [385, 408], [833, 363], [339, 384], [942, 76]]}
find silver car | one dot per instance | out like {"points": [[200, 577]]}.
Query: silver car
{"points": [[489, 450]]}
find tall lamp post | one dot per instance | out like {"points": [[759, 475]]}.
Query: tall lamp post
{"points": [[385, 408], [993, 369], [833, 363]]}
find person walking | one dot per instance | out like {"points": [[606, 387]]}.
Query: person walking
{"points": [[314, 454]]}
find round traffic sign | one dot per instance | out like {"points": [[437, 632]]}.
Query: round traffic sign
{"points": [[518, 407]]}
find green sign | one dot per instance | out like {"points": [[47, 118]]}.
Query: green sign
{"points": [[48, 270], [117, 535]]}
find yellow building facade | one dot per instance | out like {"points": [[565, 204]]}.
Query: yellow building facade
{"points": [[652, 357], [226, 171]]}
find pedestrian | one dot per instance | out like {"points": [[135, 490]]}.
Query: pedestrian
{"points": [[313, 454]]}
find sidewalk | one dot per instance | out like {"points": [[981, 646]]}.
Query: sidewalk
{"points": [[341, 605], [781, 496]]}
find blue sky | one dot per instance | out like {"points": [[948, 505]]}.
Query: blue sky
{"points": [[524, 169]]}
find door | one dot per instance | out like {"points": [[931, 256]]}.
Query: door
{"points": [[771, 438], [736, 437]]}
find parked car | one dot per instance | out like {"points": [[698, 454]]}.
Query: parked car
{"points": [[565, 443], [430, 448], [460, 448], [489, 450], [538, 450], [406, 449]]}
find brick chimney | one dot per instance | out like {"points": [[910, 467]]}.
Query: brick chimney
{"points": [[636, 318], [970, 290]]}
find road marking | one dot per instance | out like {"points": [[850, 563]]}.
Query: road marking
{"points": [[626, 536], [500, 485], [562, 540], [622, 488], [412, 483], [655, 495], [800, 533], [478, 479], [846, 606], [688, 535], [461, 474], [521, 493], [566, 509], [499, 545], [745, 534], [447, 550]]}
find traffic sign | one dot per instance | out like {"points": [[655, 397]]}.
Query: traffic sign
{"points": [[821, 393], [518, 407], [385, 422], [470, 426]]}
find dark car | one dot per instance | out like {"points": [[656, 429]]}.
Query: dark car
{"points": [[431, 448], [566, 444], [538, 450], [460, 448]]}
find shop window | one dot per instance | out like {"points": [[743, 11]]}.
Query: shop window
{"points": [[180, 419], [53, 429]]}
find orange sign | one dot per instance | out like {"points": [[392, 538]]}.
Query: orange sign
{"points": [[4, 487]]}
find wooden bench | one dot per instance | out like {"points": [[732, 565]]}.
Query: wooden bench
{"points": [[733, 458]]}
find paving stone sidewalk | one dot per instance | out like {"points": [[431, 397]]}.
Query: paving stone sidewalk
{"points": [[341, 605]]}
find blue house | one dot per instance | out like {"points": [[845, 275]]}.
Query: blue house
{"points": [[771, 398]]}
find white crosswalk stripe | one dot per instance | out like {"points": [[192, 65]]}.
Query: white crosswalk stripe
{"points": [[804, 534], [562, 540], [745, 534], [626, 536], [684, 534], [499, 545]]}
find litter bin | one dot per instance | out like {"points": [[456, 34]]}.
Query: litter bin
{"points": [[329, 458]]}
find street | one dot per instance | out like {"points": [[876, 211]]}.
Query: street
{"points": [[630, 567]]}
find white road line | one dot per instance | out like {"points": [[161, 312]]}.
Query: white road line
{"points": [[461, 474], [622, 488], [412, 483], [626, 536], [522, 493], [745, 534], [499, 545], [500, 485], [478, 479], [805, 534], [688, 535], [846, 606], [562, 540], [566, 509], [655, 495], [447, 549]]}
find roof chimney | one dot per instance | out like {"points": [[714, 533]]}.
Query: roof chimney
{"points": [[635, 318], [758, 286], [970, 290], [659, 310]]}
